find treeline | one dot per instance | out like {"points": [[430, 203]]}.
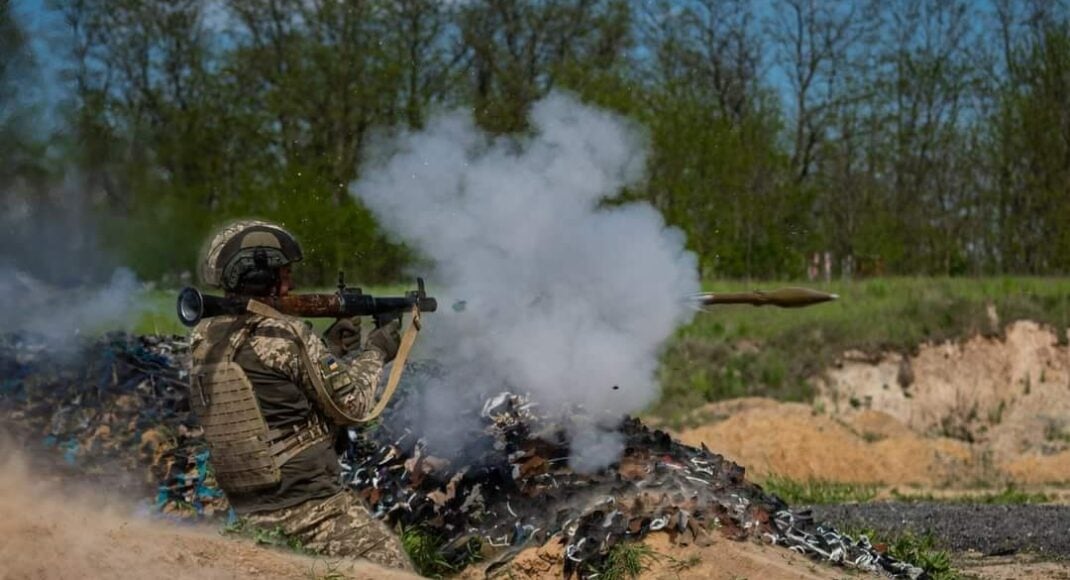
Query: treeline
{"points": [[900, 136]]}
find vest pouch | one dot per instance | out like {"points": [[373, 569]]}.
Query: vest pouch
{"points": [[237, 434]]}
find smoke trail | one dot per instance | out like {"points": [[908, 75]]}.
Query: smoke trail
{"points": [[562, 297]]}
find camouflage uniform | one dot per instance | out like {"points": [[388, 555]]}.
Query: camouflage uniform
{"points": [[281, 356], [339, 526], [310, 504]]}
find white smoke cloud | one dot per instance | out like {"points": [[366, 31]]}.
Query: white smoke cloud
{"points": [[56, 281], [563, 298], [60, 315]]}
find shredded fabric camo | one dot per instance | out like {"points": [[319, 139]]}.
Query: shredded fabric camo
{"points": [[121, 406]]}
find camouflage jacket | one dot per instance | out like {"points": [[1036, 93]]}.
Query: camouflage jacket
{"points": [[271, 358]]}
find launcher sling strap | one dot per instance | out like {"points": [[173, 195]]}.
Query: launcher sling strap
{"points": [[323, 392]]}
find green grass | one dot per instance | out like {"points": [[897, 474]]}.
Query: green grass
{"points": [[714, 358], [816, 492], [626, 560], [427, 550], [1010, 495], [921, 550]]}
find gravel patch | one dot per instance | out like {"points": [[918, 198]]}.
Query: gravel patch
{"points": [[988, 529]]}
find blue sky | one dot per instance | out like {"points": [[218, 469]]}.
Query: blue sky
{"points": [[46, 31]]}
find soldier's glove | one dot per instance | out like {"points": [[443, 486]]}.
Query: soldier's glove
{"points": [[343, 337], [386, 339]]}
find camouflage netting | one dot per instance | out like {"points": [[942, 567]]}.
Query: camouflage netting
{"points": [[120, 405]]}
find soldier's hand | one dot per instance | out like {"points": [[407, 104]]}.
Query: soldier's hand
{"points": [[386, 339], [343, 336]]}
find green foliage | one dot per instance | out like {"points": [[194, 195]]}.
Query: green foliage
{"points": [[23, 156], [626, 560], [432, 557], [425, 549], [1031, 144], [921, 550], [1010, 495], [910, 145], [816, 492]]}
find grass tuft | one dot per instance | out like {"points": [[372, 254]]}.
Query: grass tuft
{"points": [[431, 555], [626, 560], [425, 549], [817, 492], [920, 550]]}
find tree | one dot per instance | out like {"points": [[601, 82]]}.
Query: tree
{"points": [[818, 50], [1033, 156], [717, 169], [17, 149], [928, 81], [516, 52]]}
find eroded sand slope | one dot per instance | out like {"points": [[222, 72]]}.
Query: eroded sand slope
{"points": [[985, 410]]}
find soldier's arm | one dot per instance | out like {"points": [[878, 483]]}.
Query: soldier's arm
{"points": [[350, 381]]}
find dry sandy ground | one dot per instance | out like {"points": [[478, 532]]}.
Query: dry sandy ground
{"points": [[53, 532], [947, 417], [731, 560], [723, 560], [952, 415]]}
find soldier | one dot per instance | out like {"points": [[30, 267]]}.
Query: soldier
{"points": [[254, 384]]}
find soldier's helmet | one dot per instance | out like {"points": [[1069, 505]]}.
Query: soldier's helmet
{"points": [[247, 254]]}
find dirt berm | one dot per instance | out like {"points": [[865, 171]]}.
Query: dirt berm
{"points": [[987, 411]]}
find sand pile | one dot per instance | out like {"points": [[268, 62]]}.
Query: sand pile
{"points": [[993, 410]]}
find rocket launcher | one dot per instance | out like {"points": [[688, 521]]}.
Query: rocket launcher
{"points": [[193, 306]]}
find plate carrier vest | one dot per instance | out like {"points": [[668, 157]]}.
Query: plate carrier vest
{"points": [[246, 454]]}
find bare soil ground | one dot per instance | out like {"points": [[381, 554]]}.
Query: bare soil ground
{"points": [[723, 560], [947, 418], [49, 531], [1014, 567], [950, 419], [55, 530], [988, 411]]}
